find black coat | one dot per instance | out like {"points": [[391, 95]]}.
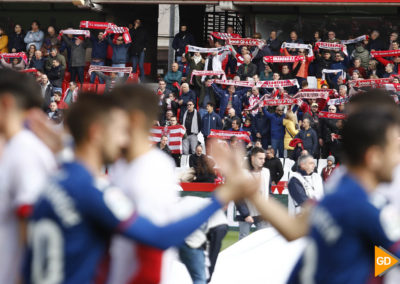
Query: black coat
{"points": [[17, 42], [275, 168], [139, 41], [180, 41]]}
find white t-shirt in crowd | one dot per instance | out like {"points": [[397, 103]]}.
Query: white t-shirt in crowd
{"points": [[25, 165]]}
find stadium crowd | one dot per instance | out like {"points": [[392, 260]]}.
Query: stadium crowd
{"points": [[273, 98]]}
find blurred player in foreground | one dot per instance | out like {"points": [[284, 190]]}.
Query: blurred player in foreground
{"points": [[344, 227], [77, 212]]}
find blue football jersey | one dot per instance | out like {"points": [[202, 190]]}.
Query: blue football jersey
{"points": [[345, 227], [74, 219]]}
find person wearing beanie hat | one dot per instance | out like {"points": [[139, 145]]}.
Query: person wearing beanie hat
{"points": [[328, 170]]}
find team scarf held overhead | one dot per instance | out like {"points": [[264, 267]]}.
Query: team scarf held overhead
{"points": [[333, 71], [119, 30], [192, 48], [331, 115], [282, 59], [95, 25], [109, 69], [369, 82], [313, 94], [339, 101], [247, 84], [277, 84], [85, 33], [291, 45], [331, 46], [386, 53], [21, 55], [245, 41], [226, 135], [174, 133], [355, 40], [223, 36], [206, 73]]}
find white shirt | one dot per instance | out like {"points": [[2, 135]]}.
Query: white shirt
{"points": [[150, 182], [24, 167], [264, 189]]}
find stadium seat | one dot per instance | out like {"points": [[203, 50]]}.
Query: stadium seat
{"points": [[87, 87], [321, 164], [287, 168], [86, 78], [101, 88], [185, 161], [282, 161]]}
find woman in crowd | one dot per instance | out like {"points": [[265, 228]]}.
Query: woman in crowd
{"points": [[290, 124]]}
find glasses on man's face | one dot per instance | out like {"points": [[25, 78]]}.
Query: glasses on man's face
{"points": [[120, 39], [190, 105], [332, 109]]}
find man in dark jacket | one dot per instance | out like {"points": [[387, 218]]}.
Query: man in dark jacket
{"points": [[274, 165], [138, 47], [262, 128], [207, 95], [309, 137], [180, 41], [16, 40], [99, 53], [120, 52], [230, 98], [38, 61], [47, 91], [258, 58], [78, 57], [163, 145], [210, 121], [247, 69], [55, 74], [277, 128], [186, 96], [192, 122], [273, 43], [195, 157]]}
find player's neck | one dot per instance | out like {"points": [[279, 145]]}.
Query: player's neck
{"points": [[367, 179], [13, 126], [139, 145], [89, 156]]}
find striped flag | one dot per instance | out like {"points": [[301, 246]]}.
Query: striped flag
{"points": [[174, 133]]}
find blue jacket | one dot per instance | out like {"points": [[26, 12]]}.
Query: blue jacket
{"points": [[210, 121], [120, 52], [189, 96], [277, 128], [261, 124], [339, 65], [296, 189], [237, 99], [310, 140], [99, 48]]}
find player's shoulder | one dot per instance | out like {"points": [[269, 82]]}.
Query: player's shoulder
{"points": [[74, 176], [25, 141]]}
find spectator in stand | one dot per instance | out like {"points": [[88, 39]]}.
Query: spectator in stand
{"points": [[162, 90], [312, 115], [38, 61], [31, 53], [16, 40], [207, 95], [3, 41], [273, 43], [78, 56], [309, 137], [357, 66], [247, 69], [54, 114], [329, 132], [230, 98], [177, 157], [332, 37], [55, 74], [328, 170], [192, 122], [61, 105], [196, 62], [16, 64], [34, 36], [204, 172], [163, 145], [50, 41], [389, 71], [259, 53], [227, 120], [236, 124], [340, 62], [47, 92], [266, 74], [317, 38], [173, 77], [362, 53], [294, 38], [166, 118], [394, 36], [186, 96], [277, 129], [375, 42], [323, 62], [395, 62], [138, 47], [99, 53], [250, 129], [247, 214], [64, 46], [169, 103], [274, 165], [120, 52], [289, 122], [262, 128], [55, 55], [214, 60], [71, 94], [181, 40], [111, 80], [209, 121], [305, 184], [194, 158]]}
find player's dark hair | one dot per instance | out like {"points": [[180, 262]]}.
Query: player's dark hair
{"points": [[253, 152], [89, 108], [138, 98], [367, 127], [374, 99], [22, 87]]}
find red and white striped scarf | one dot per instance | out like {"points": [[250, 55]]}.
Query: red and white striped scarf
{"points": [[312, 94], [338, 101], [30, 70], [281, 59], [248, 84], [174, 133], [224, 36], [279, 102], [385, 53], [245, 41], [192, 48], [95, 25], [93, 68], [226, 135], [331, 46], [206, 73], [369, 82], [392, 87], [277, 84], [119, 30], [21, 55], [331, 115], [355, 40], [86, 33], [298, 46]]}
